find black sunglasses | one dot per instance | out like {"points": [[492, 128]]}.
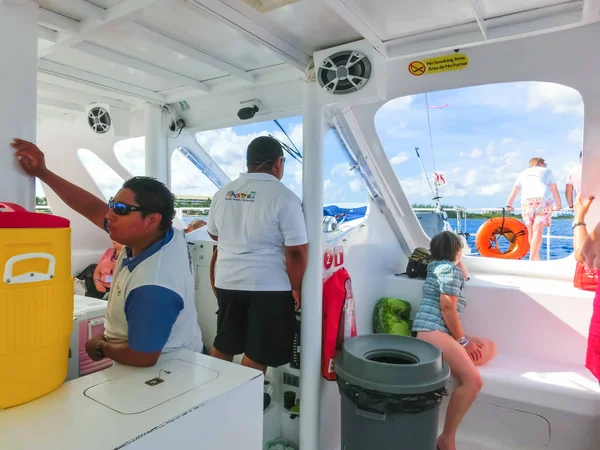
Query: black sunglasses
{"points": [[122, 209]]}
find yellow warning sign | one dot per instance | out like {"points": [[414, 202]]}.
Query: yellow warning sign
{"points": [[455, 61]]}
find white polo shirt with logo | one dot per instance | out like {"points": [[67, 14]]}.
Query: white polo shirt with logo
{"points": [[151, 300], [255, 217]]}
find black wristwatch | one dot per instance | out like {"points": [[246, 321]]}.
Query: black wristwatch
{"points": [[99, 350], [578, 224]]}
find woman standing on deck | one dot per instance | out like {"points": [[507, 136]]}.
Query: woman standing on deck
{"points": [[537, 186], [438, 322], [586, 248]]}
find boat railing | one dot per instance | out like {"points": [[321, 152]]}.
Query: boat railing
{"points": [[463, 211], [203, 210]]}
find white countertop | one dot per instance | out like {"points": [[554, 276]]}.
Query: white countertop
{"points": [[108, 409]]}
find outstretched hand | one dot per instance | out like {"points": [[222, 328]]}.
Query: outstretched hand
{"points": [[582, 207], [30, 157]]}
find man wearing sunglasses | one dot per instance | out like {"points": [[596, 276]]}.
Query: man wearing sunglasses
{"points": [[260, 261], [151, 302]]}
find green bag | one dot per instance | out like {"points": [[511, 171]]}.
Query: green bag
{"points": [[392, 316]]}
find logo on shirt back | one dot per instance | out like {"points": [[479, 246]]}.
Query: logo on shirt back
{"points": [[241, 196]]}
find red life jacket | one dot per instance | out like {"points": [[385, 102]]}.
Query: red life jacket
{"points": [[339, 319]]}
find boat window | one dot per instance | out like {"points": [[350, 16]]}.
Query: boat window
{"points": [[342, 186], [41, 202], [106, 179], [131, 154], [227, 147], [467, 146]]}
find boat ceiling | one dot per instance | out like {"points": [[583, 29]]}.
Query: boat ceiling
{"points": [[127, 52]]}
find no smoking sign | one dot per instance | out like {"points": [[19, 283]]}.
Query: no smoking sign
{"points": [[417, 68]]}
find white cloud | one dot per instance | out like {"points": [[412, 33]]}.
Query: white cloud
{"points": [[490, 189], [476, 153], [131, 154], [225, 146], [576, 135], [560, 99], [355, 185], [398, 159], [398, 104], [507, 140], [474, 178], [341, 170]]}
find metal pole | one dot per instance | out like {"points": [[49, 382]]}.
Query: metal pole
{"points": [[156, 154], [312, 285], [18, 91], [548, 244]]}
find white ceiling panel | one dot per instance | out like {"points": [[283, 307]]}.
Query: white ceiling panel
{"points": [[105, 3], [98, 66], [121, 40], [496, 8], [61, 8], [388, 20], [310, 25], [203, 32]]}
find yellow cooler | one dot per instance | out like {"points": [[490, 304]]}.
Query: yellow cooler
{"points": [[36, 303]]}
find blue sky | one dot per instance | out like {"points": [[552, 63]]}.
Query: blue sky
{"points": [[481, 140]]}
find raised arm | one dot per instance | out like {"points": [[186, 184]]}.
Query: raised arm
{"points": [[33, 162], [583, 244]]}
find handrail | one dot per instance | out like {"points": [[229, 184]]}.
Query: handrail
{"points": [[547, 235]]}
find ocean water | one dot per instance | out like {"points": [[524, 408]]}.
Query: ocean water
{"points": [[559, 248]]}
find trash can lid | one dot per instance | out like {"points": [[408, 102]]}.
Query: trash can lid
{"points": [[392, 364]]}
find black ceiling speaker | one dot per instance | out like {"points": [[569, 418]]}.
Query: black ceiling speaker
{"points": [[99, 120], [344, 72]]}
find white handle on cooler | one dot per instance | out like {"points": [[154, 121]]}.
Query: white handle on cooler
{"points": [[30, 277], [94, 323]]}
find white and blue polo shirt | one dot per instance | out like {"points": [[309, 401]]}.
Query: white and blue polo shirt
{"points": [[151, 300]]}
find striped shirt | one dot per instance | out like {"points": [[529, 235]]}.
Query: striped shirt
{"points": [[443, 277]]}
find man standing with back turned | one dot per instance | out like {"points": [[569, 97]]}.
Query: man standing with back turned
{"points": [[260, 262]]}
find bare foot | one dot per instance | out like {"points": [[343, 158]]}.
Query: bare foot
{"points": [[445, 443]]}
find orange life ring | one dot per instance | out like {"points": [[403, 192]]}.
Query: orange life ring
{"points": [[513, 230]]}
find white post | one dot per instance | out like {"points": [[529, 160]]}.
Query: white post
{"points": [[548, 244], [312, 286], [18, 96], [157, 155]]}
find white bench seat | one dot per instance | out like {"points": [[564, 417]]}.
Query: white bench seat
{"points": [[537, 392]]}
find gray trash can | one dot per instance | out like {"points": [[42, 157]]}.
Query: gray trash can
{"points": [[391, 388]]}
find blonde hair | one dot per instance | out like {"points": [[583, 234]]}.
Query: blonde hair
{"points": [[536, 161]]}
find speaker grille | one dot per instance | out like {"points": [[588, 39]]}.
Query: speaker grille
{"points": [[99, 120], [344, 72]]}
